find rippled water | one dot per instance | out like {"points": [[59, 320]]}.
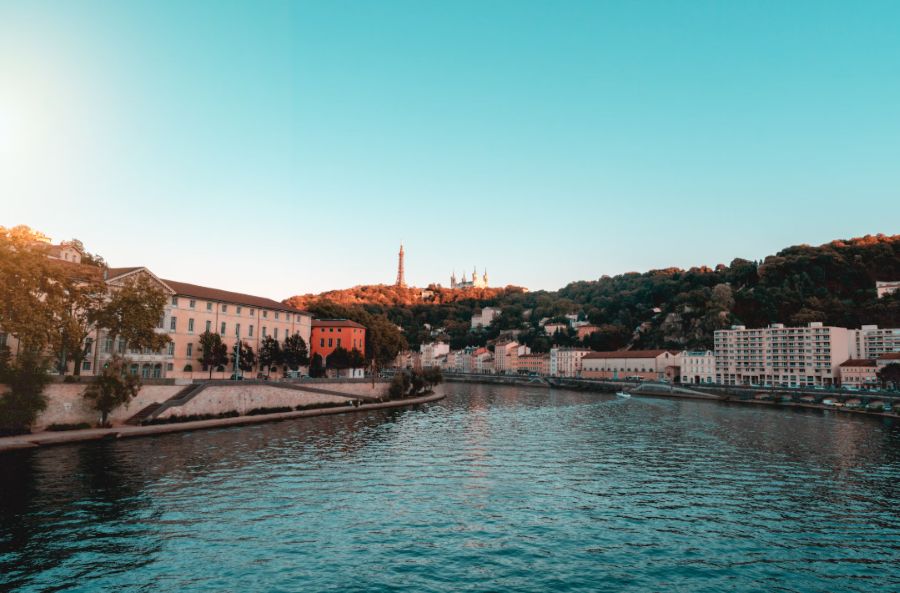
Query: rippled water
{"points": [[493, 489]]}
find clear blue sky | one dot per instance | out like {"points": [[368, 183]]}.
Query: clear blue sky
{"points": [[282, 148]]}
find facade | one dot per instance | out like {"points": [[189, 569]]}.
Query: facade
{"points": [[506, 355], [65, 251], [329, 334], [886, 288], [552, 328], [871, 342], [644, 365], [434, 354], [586, 330], [698, 366], [566, 362], [781, 356], [859, 373], [484, 317], [476, 281], [534, 364]]}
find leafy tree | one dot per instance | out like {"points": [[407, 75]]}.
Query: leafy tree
{"points": [[316, 367], [113, 387], [270, 354], [247, 359], [338, 359], [294, 352], [213, 352], [399, 386], [26, 379], [433, 376], [133, 312], [890, 375]]}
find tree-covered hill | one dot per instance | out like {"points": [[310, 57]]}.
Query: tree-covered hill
{"points": [[669, 308]]}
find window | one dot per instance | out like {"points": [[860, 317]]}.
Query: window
{"points": [[191, 325], [192, 303], [3, 338], [174, 301], [88, 346], [173, 323], [250, 312], [209, 306], [276, 314], [121, 346], [322, 342], [338, 342], [276, 330], [162, 321], [330, 342], [169, 366], [237, 329], [224, 308], [239, 310], [265, 314], [170, 349], [209, 326], [107, 345], [86, 365], [265, 331], [222, 331], [190, 350], [250, 331]]}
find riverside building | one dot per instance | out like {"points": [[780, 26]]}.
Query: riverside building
{"points": [[781, 356], [566, 362], [643, 365], [698, 366], [871, 342]]}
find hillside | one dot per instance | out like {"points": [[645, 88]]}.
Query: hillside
{"points": [[833, 283]]}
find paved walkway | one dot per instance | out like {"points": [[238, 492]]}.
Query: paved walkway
{"points": [[43, 439]]}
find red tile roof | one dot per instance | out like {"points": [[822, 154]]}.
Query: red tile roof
{"points": [[336, 323], [858, 362], [629, 354], [226, 296], [890, 356]]}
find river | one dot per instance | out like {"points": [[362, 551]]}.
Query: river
{"points": [[495, 488]]}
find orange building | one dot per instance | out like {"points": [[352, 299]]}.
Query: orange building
{"points": [[328, 334]]}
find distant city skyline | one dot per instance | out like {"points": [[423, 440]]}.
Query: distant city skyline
{"points": [[288, 148]]}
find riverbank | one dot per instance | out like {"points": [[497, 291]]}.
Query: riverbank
{"points": [[691, 392], [46, 439]]}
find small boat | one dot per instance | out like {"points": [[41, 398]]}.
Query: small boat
{"points": [[623, 394]]}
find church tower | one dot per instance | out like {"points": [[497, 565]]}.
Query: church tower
{"points": [[401, 279]]}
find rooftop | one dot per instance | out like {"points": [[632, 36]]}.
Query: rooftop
{"points": [[858, 362], [336, 323], [630, 354]]}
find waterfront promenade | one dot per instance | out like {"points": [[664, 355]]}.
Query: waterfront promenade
{"points": [[45, 439]]}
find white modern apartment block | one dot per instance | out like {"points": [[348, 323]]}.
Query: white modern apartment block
{"points": [[566, 362], [698, 366], [484, 317], [781, 356], [871, 342], [432, 353]]}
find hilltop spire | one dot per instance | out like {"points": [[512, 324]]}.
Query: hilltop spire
{"points": [[401, 279]]}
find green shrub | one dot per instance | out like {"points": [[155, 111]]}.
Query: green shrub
{"points": [[62, 427]]}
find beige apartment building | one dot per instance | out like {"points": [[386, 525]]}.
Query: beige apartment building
{"points": [[192, 310], [698, 367], [566, 362], [781, 356], [644, 365]]}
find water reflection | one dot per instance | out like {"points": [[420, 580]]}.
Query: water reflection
{"points": [[530, 489]]}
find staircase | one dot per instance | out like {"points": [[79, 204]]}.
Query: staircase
{"points": [[138, 418]]}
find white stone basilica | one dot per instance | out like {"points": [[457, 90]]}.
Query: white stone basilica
{"points": [[465, 282]]}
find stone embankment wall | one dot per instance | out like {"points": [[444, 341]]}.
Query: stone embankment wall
{"points": [[217, 399], [66, 403]]}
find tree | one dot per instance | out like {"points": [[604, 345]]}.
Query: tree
{"points": [[316, 366], [77, 301], [26, 379], [133, 313], [247, 360], [400, 384], [113, 387], [213, 353], [338, 359], [294, 352], [269, 354], [433, 376], [890, 374]]}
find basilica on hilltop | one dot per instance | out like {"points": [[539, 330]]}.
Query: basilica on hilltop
{"points": [[475, 281]]}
